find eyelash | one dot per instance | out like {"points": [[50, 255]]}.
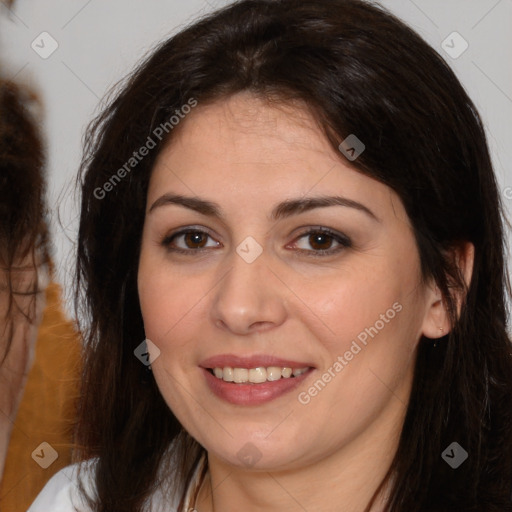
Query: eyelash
{"points": [[343, 241]]}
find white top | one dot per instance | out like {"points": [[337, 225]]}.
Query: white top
{"points": [[61, 493]]}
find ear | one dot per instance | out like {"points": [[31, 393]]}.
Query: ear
{"points": [[436, 323]]}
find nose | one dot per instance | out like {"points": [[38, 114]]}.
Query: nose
{"points": [[250, 298]]}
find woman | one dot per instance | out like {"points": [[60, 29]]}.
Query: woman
{"points": [[24, 255], [292, 203], [39, 348]]}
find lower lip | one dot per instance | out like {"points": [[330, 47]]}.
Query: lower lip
{"points": [[252, 394]]}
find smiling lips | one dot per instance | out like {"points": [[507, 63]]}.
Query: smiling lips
{"points": [[257, 375], [252, 380]]}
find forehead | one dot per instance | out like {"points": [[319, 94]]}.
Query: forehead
{"points": [[245, 147]]}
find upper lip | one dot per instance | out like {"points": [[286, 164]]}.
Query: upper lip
{"points": [[254, 361]]}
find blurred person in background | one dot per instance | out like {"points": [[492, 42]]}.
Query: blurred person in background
{"points": [[39, 347], [24, 254]]}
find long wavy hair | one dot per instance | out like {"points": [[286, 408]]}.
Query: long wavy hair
{"points": [[24, 241], [359, 70]]}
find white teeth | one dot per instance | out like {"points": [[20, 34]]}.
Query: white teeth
{"points": [[257, 375], [286, 373], [226, 374], [273, 373], [240, 375]]}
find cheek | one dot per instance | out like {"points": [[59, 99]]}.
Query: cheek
{"points": [[353, 303], [161, 307], [366, 359], [170, 304], [371, 317]]}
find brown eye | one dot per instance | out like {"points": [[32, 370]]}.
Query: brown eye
{"points": [[188, 241], [195, 239], [322, 241]]}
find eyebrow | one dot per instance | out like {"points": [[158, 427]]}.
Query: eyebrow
{"points": [[282, 210]]}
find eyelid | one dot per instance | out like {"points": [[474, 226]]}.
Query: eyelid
{"points": [[166, 241], [343, 241]]}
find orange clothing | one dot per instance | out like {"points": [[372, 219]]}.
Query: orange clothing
{"points": [[46, 413]]}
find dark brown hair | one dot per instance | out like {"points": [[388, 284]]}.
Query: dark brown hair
{"points": [[23, 228], [360, 71]]}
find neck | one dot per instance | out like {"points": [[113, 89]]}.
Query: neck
{"points": [[5, 433], [8, 407], [13, 375], [345, 480]]}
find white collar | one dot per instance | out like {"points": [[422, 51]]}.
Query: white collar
{"points": [[193, 488]]}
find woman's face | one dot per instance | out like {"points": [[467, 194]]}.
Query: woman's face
{"points": [[263, 254]]}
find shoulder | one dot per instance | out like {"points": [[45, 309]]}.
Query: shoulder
{"points": [[62, 492]]}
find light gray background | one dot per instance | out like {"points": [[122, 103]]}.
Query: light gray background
{"points": [[101, 40]]}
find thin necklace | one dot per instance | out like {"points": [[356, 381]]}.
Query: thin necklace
{"points": [[191, 503]]}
